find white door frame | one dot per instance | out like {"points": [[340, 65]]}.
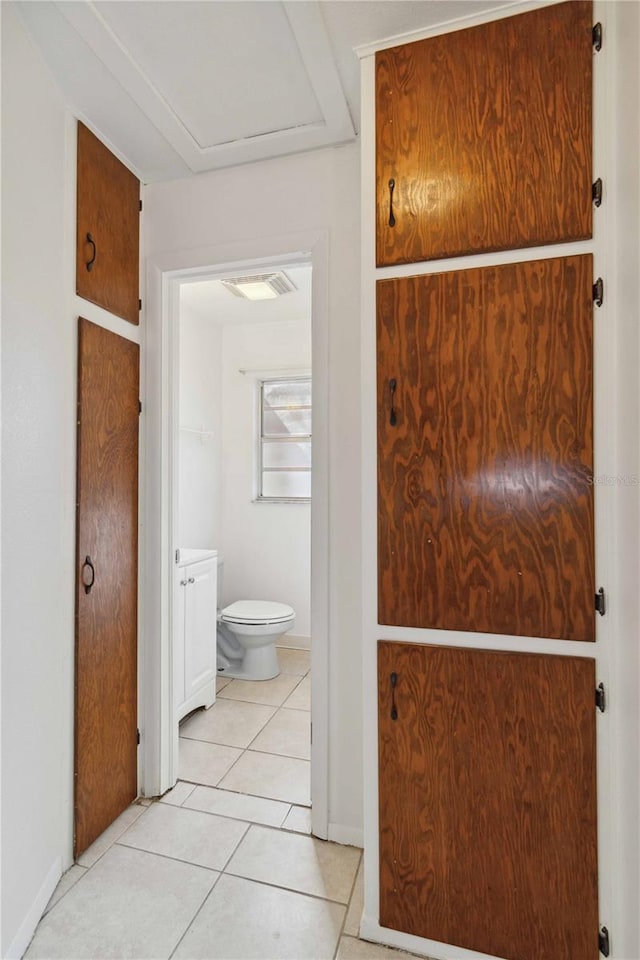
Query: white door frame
{"points": [[159, 739]]}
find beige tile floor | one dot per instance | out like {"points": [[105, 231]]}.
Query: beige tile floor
{"points": [[223, 866], [254, 740]]}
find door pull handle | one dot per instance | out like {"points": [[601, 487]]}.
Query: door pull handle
{"points": [[393, 417], [91, 262], [192, 579], [394, 710], [392, 219], [88, 575]]}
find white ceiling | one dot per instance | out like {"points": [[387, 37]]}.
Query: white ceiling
{"points": [[210, 300], [181, 86]]}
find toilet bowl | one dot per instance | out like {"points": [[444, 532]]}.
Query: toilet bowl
{"points": [[247, 633]]}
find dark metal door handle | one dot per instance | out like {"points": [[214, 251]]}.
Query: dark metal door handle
{"points": [[392, 219], [393, 680], [393, 417], [88, 575], [91, 262]]}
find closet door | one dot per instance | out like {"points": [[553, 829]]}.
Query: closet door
{"points": [[108, 226], [485, 450], [106, 704], [483, 137], [487, 797]]}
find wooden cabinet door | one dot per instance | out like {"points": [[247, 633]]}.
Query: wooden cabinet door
{"points": [[485, 450], [486, 135], [106, 705], [108, 226], [487, 792]]}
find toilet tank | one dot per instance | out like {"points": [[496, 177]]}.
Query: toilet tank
{"points": [[220, 579]]}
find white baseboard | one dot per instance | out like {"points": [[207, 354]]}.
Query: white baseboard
{"points": [[298, 643], [349, 836], [23, 937]]}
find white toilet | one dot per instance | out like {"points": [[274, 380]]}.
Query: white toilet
{"points": [[247, 634]]}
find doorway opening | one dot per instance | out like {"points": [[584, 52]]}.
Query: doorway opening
{"points": [[244, 487]]}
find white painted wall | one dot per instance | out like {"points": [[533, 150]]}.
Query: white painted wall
{"points": [[39, 375], [266, 546], [200, 454], [38, 480], [248, 207]]}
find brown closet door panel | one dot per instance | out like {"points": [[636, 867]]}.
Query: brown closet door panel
{"points": [[106, 706], [487, 134], [109, 212], [488, 800], [485, 482]]}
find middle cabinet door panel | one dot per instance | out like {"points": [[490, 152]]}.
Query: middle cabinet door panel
{"points": [[485, 450]]}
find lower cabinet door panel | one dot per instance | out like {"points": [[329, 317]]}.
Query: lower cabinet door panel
{"points": [[487, 795]]}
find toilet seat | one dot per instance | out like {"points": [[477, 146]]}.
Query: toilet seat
{"points": [[256, 611]]}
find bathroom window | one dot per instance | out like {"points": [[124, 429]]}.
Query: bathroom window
{"points": [[284, 454]]}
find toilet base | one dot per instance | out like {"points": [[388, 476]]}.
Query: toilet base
{"points": [[258, 663]]}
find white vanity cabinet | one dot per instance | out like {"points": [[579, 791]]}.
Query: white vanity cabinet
{"points": [[195, 630]]}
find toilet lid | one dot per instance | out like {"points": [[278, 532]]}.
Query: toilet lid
{"points": [[257, 611]]}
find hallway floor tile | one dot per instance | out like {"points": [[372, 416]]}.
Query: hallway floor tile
{"points": [[222, 867]]}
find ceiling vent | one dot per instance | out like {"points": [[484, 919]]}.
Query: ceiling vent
{"points": [[262, 286]]}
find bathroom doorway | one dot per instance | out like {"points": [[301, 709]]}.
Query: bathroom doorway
{"points": [[242, 515]]}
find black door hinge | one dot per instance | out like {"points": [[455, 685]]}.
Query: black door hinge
{"points": [[601, 699], [603, 942], [140, 207], [139, 304], [596, 36], [137, 736], [598, 292], [601, 606], [139, 406], [596, 192]]}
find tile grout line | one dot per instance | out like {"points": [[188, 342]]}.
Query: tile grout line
{"points": [[85, 870], [279, 886], [167, 856], [240, 793], [250, 749], [196, 914], [115, 840], [346, 913]]}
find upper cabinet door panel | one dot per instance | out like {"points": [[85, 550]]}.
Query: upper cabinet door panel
{"points": [[108, 227], [485, 450], [483, 137]]}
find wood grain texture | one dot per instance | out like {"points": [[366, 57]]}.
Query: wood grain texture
{"points": [[487, 134], [106, 704], [108, 198], [488, 800], [485, 483]]}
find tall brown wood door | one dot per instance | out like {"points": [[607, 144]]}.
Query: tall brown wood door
{"points": [[107, 580], [483, 137], [487, 798], [485, 450], [108, 228]]}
